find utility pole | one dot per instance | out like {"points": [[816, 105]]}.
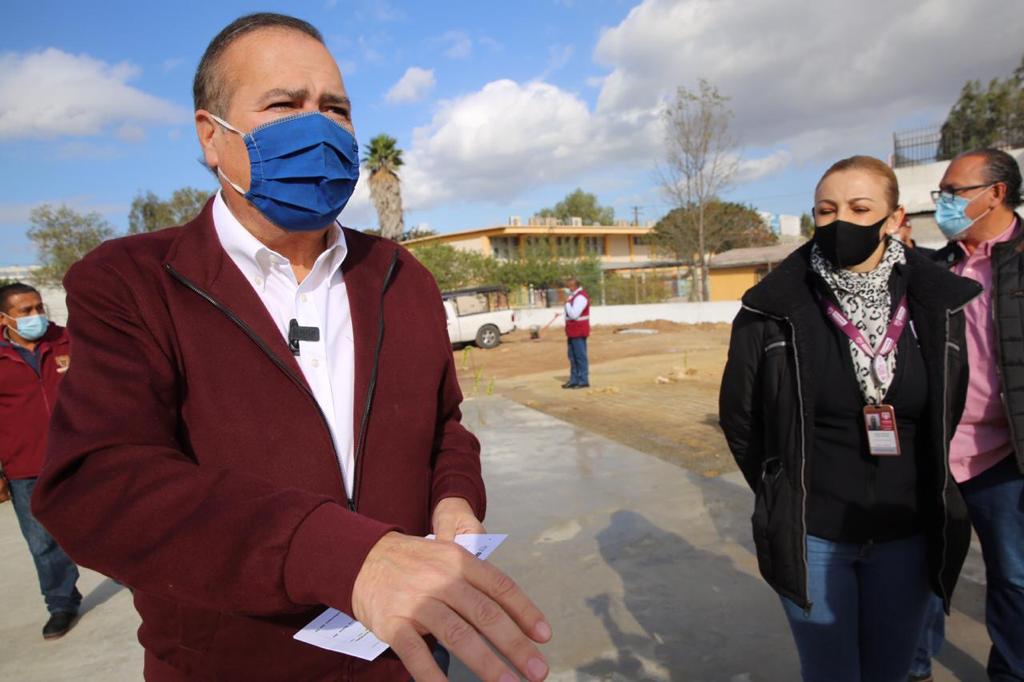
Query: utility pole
{"points": [[636, 216]]}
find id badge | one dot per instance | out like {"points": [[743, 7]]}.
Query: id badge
{"points": [[880, 423]]}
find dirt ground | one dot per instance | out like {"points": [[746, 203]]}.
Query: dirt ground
{"points": [[656, 390]]}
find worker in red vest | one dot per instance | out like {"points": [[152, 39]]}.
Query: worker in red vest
{"points": [[577, 329]]}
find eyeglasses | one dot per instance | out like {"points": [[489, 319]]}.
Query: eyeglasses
{"points": [[948, 194]]}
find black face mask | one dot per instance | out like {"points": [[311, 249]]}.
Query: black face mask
{"points": [[845, 244]]}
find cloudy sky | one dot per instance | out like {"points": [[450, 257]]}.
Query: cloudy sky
{"points": [[501, 108]]}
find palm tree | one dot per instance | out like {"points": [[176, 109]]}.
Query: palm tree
{"points": [[382, 159]]}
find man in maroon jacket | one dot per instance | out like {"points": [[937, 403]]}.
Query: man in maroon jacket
{"points": [[263, 416], [33, 359]]}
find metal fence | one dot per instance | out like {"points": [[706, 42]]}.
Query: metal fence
{"points": [[915, 147], [612, 290]]}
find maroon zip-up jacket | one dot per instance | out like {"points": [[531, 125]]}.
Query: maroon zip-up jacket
{"points": [[189, 460], [27, 400]]}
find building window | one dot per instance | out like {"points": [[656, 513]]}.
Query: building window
{"points": [[640, 241], [505, 248], [593, 246], [567, 247]]}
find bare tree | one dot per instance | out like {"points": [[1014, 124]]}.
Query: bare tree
{"points": [[700, 159]]}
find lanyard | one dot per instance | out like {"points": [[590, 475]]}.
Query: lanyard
{"points": [[888, 343]]}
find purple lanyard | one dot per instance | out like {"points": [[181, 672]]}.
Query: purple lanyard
{"points": [[889, 341]]}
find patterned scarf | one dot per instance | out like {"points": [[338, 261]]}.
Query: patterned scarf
{"points": [[865, 299]]}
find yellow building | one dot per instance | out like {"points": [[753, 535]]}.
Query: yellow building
{"points": [[622, 246], [731, 273]]}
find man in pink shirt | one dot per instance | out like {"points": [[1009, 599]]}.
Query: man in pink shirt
{"points": [[975, 209]]}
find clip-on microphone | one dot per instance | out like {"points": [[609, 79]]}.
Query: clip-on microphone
{"points": [[297, 333]]}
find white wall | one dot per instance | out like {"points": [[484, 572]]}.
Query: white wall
{"points": [[686, 313], [53, 297]]}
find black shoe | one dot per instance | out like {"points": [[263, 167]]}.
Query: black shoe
{"points": [[568, 384], [59, 624], [581, 386]]}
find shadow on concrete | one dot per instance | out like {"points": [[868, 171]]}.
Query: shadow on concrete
{"points": [[699, 617], [721, 496], [99, 595], [963, 666]]}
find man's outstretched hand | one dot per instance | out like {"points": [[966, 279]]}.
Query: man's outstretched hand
{"points": [[409, 587]]}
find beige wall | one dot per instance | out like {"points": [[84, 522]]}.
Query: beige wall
{"points": [[729, 284], [478, 244], [618, 246]]}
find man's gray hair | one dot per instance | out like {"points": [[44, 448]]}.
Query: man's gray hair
{"points": [[209, 91]]}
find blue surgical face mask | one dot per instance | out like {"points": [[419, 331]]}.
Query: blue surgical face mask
{"points": [[303, 169], [951, 216], [32, 327]]}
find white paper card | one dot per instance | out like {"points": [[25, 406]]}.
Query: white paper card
{"points": [[336, 631]]}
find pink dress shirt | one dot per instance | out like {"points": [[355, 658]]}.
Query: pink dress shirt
{"points": [[983, 438]]}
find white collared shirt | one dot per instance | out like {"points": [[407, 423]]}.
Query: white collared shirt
{"points": [[575, 305], [320, 301]]}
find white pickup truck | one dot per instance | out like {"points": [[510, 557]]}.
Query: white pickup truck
{"points": [[479, 315]]}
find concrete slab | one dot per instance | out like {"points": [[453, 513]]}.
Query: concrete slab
{"points": [[645, 570]]}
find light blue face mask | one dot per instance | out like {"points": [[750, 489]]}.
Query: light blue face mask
{"points": [[951, 216], [303, 170], [32, 327]]}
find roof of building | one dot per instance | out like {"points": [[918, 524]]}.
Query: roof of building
{"points": [[756, 255]]}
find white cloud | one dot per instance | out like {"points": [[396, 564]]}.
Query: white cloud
{"points": [[494, 143], [53, 93], [171, 64], [809, 83], [18, 214], [459, 44], [131, 132], [749, 170], [84, 150], [490, 43], [413, 86], [359, 212], [824, 78]]}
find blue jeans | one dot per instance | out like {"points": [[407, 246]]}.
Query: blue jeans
{"points": [[57, 573], [933, 635], [868, 602], [579, 368], [995, 500]]}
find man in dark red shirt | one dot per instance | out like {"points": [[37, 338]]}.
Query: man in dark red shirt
{"points": [[263, 418], [33, 359], [577, 329]]}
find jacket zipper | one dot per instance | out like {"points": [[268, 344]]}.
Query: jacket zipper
{"points": [[39, 379], [372, 387], [803, 453], [945, 459], [999, 357], [261, 344]]}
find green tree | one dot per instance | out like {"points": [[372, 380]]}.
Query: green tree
{"points": [[150, 213], [455, 268], [580, 204], [727, 225], [63, 236], [985, 116], [383, 158], [806, 225]]}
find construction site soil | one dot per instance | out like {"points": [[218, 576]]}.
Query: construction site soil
{"points": [[653, 386]]}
